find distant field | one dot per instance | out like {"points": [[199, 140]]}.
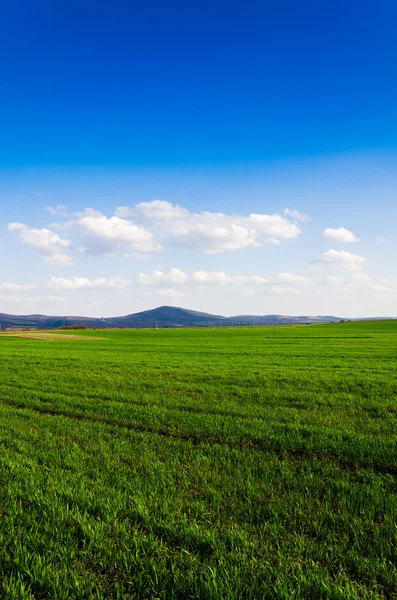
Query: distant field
{"points": [[231, 463]]}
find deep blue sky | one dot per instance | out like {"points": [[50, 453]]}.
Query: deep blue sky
{"points": [[165, 83], [231, 108]]}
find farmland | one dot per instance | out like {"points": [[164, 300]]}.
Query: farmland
{"points": [[203, 463]]}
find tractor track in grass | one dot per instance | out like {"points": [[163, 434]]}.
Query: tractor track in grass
{"points": [[248, 444]]}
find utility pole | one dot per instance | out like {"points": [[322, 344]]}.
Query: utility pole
{"points": [[274, 324]]}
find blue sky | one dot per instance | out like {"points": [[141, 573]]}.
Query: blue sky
{"points": [[234, 157]]}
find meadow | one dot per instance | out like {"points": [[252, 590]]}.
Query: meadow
{"points": [[230, 463]]}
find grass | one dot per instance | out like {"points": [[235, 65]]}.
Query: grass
{"points": [[206, 464]]}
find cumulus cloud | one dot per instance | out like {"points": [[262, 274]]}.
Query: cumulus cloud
{"points": [[340, 235], [211, 232], [63, 260], [137, 231], [174, 276], [357, 282], [51, 248], [281, 278], [272, 228], [177, 277], [211, 277], [104, 235], [124, 212], [168, 293], [251, 279], [344, 260], [17, 287], [157, 210], [82, 283], [295, 214]]}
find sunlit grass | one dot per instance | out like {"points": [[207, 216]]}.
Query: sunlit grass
{"points": [[219, 463]]}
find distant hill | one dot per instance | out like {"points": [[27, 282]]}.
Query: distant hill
{"points": [[168, 316], [279, 319], [44, 321], [163, 316]]}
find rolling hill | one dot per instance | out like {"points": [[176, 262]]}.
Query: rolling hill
{"points": [[163, 316]]}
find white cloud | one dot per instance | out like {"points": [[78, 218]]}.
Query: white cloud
{"points": [[344, 260], [123, 212], [17, 287], [213, 277], [57, 210], [107, 236], [169, 293], [158, 210], [51, 248], [63, 260], [174, 276], [281, 278], [357, 282], [139, 229], [251, 279], [82, 283], [211, 232], [340, 235], [296, 215], [272, 226], [177, 277], [381, 239]]}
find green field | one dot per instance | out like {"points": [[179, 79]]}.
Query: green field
{"points": [[232, 463]]}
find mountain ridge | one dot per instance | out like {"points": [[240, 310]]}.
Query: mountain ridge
{"points": [[162, 317]]}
